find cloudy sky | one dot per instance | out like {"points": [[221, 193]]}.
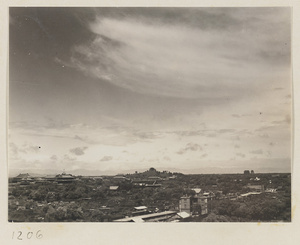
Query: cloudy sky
{"points": [[114, 90]]}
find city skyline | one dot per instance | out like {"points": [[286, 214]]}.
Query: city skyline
{"points": [[204, 90]]}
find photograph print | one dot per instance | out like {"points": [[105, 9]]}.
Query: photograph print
{"points": [[149, 114]]}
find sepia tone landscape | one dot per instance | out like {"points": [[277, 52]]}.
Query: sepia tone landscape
{"points": [[151, 196], [150, 114]]}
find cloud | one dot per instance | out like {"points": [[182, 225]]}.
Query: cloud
{"points": [[288, 119], [85, 139], [204, 155], [54, 158], [146, 135], [78, 150], [26, 148], [190, 147], [258, 152], [240, 115], [106, 158], [241, 155], [37, 127], [212, 135], [226, 130], [150, 54], [13, 148], [68, 158], [166, 158], [264, 135]]}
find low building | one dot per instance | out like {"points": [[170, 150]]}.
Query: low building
{"points": [[271, 190], [141, 210], [249, 194], [185, 204], [197, 204], [257, 188], [65, 178], [113, 187], [23, 178], [154, 178], [153, 217], [120, 178]]}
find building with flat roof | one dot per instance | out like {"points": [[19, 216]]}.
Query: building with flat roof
{"points": [[153, 217], [197, 204], [114, 187], [258, 188]]}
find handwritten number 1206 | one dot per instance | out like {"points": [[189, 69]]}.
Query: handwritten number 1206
{"points": [[19, 235]]}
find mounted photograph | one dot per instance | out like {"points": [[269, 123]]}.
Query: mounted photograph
{"points": [[150, 114]]}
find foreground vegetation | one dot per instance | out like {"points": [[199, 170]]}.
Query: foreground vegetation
{"points": [[92, 200]]}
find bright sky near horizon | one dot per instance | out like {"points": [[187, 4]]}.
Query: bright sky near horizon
{"points": [[198, 90]]}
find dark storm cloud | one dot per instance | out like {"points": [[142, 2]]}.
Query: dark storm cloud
{"points": [[134, 77], [78, 150], [203, 18], [119, 47], [54, 30]]}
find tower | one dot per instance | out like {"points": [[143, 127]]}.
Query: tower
{"points": [[185, 204]]}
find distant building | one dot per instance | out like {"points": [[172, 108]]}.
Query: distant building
{"points": [[183, 215], [252, 171], [247, 172], [197, 204], [153, 217], [23, 178], [152, 185], [271, 190], [257, 188], [113, 188], [140, 210], [154, 178], [120, 178], [249, 194], [185, 204], [197, 190], [64, 178], [50, 178]]}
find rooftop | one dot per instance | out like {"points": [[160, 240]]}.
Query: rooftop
{"points": [[145, 217], [140, 207]]}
